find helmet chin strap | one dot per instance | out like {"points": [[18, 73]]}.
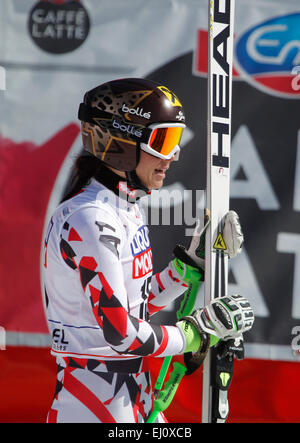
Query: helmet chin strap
{"points": [[132, 178], [135, 182]]}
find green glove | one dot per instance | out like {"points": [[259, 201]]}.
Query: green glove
{"points": [[192, 336], [194, 340], [189, 263], [188, 271]]}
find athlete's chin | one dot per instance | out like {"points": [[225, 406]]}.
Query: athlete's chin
{"points": [[156, 184]]}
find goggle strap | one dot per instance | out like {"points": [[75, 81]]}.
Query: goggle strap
{"points": [[87, 114]]}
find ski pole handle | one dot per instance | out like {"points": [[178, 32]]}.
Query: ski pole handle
{"points": [[162, 375], [167, 394]]}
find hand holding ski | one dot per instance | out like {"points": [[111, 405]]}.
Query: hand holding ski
{"points": [[190, 263], [225, 317]]}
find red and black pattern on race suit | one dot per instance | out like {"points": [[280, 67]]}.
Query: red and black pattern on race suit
{"points": [[87, 390], [164, 285], [98, 282], [124, 332], [97, 289]]}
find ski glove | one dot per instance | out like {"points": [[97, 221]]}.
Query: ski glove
{"points": [[188, 260], [223, 318], [232, 235], [190, 263]]}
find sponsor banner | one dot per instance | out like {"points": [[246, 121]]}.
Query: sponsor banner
{"points": [[58, 27], [56, 50], [266, 56]]}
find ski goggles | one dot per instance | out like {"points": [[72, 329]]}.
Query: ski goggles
{"points": [[163, 140], [159, 139]]}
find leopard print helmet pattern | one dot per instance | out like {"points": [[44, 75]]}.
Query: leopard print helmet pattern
{"points": [[116, 114]]}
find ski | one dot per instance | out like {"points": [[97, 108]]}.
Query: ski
{"points": [[218, 365]]}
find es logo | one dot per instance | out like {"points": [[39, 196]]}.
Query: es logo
{"points": [[267, 54]]}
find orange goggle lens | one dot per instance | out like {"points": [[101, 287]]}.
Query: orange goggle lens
{"points": [[164, 140]]}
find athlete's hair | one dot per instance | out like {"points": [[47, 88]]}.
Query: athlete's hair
{"points": [[85, 168]]}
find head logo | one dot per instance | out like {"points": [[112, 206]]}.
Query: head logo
{"points": [[268, 53]]}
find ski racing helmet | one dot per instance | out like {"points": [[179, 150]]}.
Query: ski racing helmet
{"points": [[121, 117]]}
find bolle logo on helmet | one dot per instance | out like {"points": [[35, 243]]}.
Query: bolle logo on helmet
{"points": [[268, 53], [129, 129], [136, 111]]}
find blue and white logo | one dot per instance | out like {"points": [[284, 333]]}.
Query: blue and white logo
{"points": [[269, 53], [140, 242]]}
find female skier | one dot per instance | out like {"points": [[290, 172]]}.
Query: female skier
{"points": [[99, 287]]}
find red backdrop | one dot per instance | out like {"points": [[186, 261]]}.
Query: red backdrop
{"points": [[262, 390]]}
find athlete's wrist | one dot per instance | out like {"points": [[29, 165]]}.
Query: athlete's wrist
{"points": [[193, 341]]}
